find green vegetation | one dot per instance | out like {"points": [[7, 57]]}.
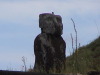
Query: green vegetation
{"points": [[85, 59]]}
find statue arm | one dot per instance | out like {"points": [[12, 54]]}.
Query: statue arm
{"points": [[38, 53]]}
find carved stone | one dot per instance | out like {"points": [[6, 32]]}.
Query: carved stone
{"points": [[49, 46]]}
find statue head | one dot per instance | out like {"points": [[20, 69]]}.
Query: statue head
{"points": [[50, 24]]}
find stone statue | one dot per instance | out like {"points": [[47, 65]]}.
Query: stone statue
{"points": [[49, 46]]}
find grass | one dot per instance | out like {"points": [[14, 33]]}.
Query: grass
{"points": [[88, 58]]}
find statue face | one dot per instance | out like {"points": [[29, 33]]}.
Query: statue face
{"points": [[50, 23]]}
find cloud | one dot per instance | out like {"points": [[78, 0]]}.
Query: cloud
{"points": [[27, 12], [14, 0], [29, 8]]}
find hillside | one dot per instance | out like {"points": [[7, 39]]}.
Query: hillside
{"points": [[85, 59]]}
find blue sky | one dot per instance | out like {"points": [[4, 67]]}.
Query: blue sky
{"points": [[19, 26]]}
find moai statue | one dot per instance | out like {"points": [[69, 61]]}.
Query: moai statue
{"points": [[49, 46]]}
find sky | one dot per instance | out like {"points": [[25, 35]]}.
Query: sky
{"points": [[19, 25]]}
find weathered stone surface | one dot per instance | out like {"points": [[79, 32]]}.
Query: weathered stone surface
{"points": [[49, 46], [50, 24]]}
